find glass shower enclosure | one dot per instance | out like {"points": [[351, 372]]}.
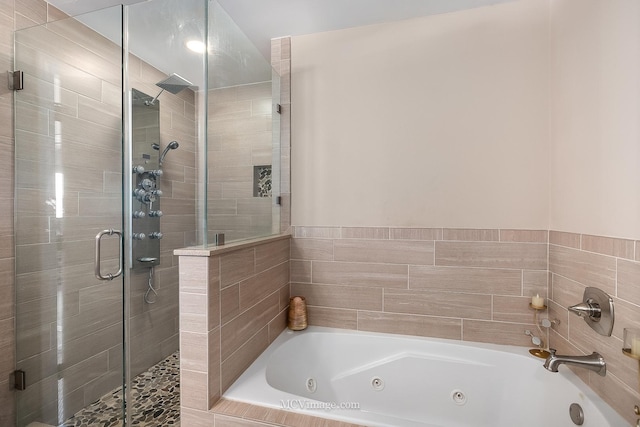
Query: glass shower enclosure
{"points": [[129, 145]]}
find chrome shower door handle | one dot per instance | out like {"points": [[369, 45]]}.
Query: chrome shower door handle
{"points": [[109, 276]]}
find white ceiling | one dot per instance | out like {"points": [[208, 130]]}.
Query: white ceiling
{"points": [[251, 22]]}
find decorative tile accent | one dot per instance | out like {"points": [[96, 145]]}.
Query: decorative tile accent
{"points": [[262, 181]]}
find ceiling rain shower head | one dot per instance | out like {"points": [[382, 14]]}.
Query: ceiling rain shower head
{"points": [[174, 84]]}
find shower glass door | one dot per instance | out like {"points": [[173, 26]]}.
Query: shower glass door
{"points": [[68, 138]]}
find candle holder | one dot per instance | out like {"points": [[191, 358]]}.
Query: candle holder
{"points": [[544, 307], [631, 343]]}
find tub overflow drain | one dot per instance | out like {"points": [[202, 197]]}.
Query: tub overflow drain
{"points": [[311, 385], [458, 397], [377, 383]]}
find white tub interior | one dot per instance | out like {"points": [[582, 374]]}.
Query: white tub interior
{"points": [[410, 381]]}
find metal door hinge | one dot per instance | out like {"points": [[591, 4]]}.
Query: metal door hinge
{"points": [[278, 200], [16, 80], [278, 108], [20, 379]]}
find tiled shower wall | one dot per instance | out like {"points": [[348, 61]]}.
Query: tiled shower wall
{"points": [[88, 68], [613, 265], [233, 303], [240, 138], [474, 285]]}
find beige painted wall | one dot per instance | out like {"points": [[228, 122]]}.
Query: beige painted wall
{"points": [[436, 121], [595, 160]]}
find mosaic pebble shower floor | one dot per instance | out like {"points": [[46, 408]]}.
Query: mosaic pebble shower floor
{"points": [[156, 400]]}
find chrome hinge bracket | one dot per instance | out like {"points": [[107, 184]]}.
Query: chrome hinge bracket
{"points": [[16, 80], [278, 108], [20, 379]]}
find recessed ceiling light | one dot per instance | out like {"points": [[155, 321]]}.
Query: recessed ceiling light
{"points": [[196, 46]]}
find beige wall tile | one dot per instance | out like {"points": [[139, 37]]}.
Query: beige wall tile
{"points": [[608, 246], [584, 267], [617, 394], [213, 369], [365, 233], [193, 313], [35, 10], [566, 292], [278, 324], [312, 249], [627, 280], [558, 312], [317, 232], [470, 234], [360, 274], [231, 407], [194, 390], [627, 316], [531, 256], [230, 302], [272, 254], [194, 351], [495, 332], [512, 309], [233, 366], [332, 317], [460, 279], [531, 236], [225, 421], [384, 251], [300, 271], [406, 324], [470, 306], [340, 296], [195, 418], [535, 282], [560, 238], [263, 284], [193, 274], [238, 331], [237, 266], [260, 413], [416, 234]]}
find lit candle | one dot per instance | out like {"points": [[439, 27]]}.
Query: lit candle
{"points": [[537, 301]]}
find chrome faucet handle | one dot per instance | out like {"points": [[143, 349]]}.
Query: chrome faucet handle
{"points": [[588, 308], [552, 351]]}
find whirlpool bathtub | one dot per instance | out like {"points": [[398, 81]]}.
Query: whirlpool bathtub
{"points": [[389, 380]]}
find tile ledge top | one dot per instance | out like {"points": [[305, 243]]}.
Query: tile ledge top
{"points": [[229, 247]]}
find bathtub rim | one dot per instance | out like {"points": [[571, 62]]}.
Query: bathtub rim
{"points": [[256, 372]]}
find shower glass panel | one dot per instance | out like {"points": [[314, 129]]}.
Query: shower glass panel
{"points": [[68, 189], [243, 135], [123, 154]]}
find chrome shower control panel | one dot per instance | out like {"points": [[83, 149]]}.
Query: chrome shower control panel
{"points": [[145, 200]]}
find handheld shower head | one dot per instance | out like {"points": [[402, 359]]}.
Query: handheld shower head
{"points": [[171, 146]]}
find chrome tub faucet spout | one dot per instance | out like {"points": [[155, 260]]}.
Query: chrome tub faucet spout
{"points": [[594, 362]]}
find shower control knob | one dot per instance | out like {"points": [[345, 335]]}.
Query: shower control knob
{"points": [[156, 235], [138, 236], [139, 214], [138, 169], [156, 192], [155, 214], [157, 173]]}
